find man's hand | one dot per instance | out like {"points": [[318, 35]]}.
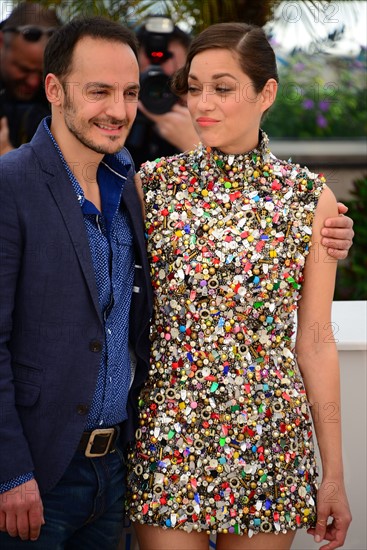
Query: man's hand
{"points": [[174, 126], [337, 234], [5, 145], [21, 511]]}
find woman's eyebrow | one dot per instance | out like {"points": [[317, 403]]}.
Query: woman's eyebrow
{"points": [[215, 76]]}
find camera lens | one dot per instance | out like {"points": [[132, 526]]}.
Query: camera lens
{"points": [[155, 92]]}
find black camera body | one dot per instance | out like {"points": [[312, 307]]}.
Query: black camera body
{"points": [[155, 92]]}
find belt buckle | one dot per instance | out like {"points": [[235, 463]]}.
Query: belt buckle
{"points": [[102, 431]]}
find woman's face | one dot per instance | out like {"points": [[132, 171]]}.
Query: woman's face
{"points": [[224, 106]]}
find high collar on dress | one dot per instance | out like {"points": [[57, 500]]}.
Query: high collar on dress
{"points": [[259, 153]]}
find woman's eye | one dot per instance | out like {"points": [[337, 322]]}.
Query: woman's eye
{"points": [[222, 90], [193, 90]]}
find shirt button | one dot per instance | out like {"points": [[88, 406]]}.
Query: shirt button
{"points": [[82, 409], [95, 346]]}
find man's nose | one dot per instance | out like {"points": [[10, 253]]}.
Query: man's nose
{"points": [[116, 107]]}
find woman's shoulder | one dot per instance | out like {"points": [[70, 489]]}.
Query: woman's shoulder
{"points": [[295, 176]]}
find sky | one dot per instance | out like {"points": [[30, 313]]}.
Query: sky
{"points": [[296, 23]]}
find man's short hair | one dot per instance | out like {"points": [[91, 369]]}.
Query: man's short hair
{"points": [[60, 48]]}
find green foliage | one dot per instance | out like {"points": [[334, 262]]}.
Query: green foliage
{"points": [[128, 11], [351, 281], [113, 9], [320, 96], [201, 14], [195, 13]]}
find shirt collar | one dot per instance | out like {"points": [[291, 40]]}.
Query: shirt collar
{"points": [[117, 163]]}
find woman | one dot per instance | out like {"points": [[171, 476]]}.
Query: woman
{"points": [[225, 440]]}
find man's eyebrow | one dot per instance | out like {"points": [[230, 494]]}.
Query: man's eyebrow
{"points": [[130, 86], [99, 85], [133, 86], [215, 76]]}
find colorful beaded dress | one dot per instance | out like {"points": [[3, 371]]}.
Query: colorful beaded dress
{"points": [[225, 437]]}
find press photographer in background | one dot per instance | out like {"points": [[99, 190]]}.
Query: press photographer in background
{"points": [[163, 126], [23, 38]]}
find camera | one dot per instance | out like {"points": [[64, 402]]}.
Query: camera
{"points": [[155, 92]]}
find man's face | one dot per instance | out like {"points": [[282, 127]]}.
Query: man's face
{"points": [[169, 67], [22, 66], [177, 60], [100, 95]]}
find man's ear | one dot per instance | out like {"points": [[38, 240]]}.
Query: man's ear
{"points": [[269, 93], [54, 90]]}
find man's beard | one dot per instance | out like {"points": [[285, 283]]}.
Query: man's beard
{"points": [[80, 131]]}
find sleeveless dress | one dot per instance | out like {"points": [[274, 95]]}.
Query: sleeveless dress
{"points": [[225, 438]]}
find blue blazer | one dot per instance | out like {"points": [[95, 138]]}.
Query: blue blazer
{"points": [[51, 330]]}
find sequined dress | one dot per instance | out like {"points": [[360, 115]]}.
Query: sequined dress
{"points": [[225, 437]]}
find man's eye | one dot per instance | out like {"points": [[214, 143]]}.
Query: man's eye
{"points": [[132, 95], [97, 93]]}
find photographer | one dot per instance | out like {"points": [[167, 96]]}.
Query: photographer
{"points": [[23, 38], [163, 126]]}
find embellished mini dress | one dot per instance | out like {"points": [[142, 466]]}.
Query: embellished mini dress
{"points": [[225, 438]]}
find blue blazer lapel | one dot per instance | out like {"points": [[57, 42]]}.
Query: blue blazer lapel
{"points": [[57, 180], [73, 218], [131, 201]]}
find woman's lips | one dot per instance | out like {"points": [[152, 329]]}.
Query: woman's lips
{"points": [[206, 121]]}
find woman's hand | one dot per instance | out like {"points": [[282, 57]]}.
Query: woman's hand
{"points": [[331, 502]]}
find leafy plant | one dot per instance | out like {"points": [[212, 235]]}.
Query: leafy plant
{"points": [[351, 281], [195, 13], [320, 96]]}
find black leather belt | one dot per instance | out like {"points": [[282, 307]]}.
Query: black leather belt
{"points": [[99, 442]]}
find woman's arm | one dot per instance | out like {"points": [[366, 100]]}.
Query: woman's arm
{"points": [[318, 362]]}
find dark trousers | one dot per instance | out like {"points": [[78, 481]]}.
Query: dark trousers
{"points": [[85, 509]]}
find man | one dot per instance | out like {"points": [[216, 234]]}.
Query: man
{"points": [[75, 299], [155, 135], [23, 38]]}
